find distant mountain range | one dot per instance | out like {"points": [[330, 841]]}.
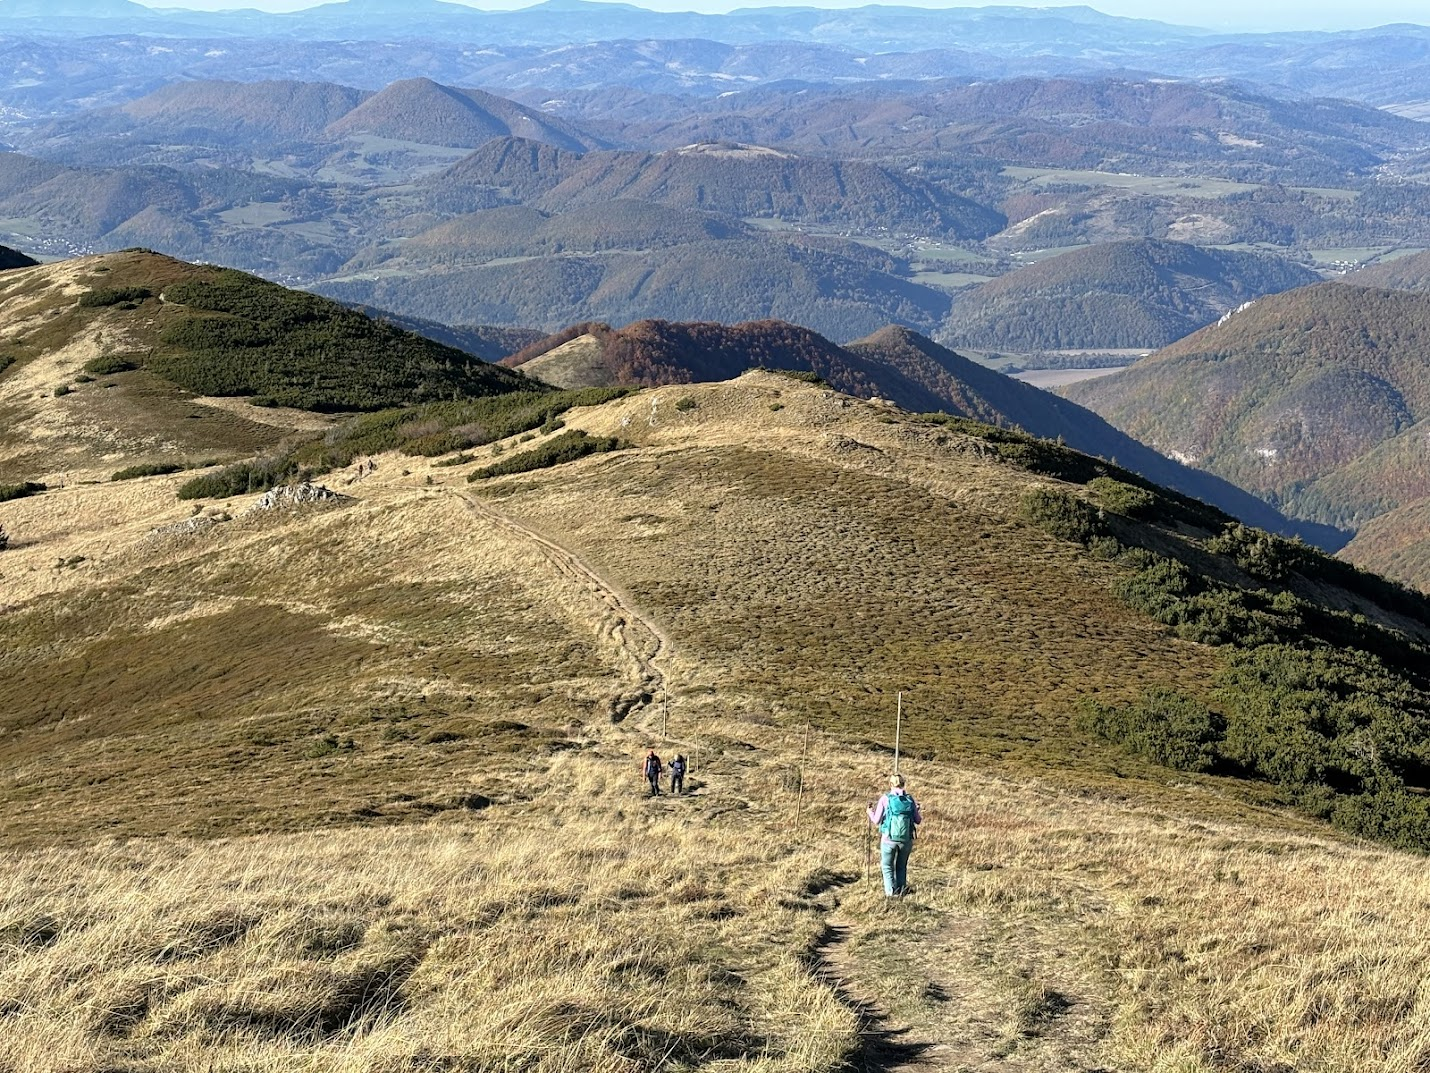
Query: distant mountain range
{"points": [[575, 45], [1317, 399], [1142, 293]]}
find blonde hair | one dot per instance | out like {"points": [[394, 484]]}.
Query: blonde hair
{"points": [[896, 782]]}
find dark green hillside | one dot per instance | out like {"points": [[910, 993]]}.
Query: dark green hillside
{"points": [[1143, 293], [423, 111], [725, 280], [1285, 397], [239, 335], [14, 259], [748, 181]]}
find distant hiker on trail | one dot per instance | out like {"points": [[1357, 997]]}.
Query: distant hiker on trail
{"points": [[651, 769], [677, 775], [895, 814]]}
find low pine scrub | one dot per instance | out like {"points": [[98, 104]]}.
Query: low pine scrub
{"points": [[20, 491], [110, 364], [243, 336], [243, 478], [114, 296], [567, 447], [1326, 703], [146, 469]]}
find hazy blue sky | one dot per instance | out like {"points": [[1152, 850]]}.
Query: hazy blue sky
{"points": [[1217, 14]]}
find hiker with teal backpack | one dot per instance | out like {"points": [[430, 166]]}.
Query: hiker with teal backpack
{"points": [[896, 814]]}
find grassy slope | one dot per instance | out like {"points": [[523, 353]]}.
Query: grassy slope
{"points": [[231, 335], [410, 657]]}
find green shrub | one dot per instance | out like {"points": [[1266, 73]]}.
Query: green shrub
{"points": [[796, 374], [20, 491], [6, 360], [1064, 515], [113, 296], [109, 364], [1125, 499], [1166, 728], [62, 391], [242, 479], [685, 403], [146, 469], [567, 447]]}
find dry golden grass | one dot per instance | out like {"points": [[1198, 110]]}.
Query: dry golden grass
{"points": [[591, 928], [425, 846]]}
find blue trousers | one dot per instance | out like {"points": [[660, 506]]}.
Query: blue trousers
{"points": [[894, 860]]}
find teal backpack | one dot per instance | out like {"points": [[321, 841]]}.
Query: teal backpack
{"points": [[899, 819]]}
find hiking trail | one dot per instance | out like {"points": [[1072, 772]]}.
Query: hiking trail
{"points": [[640, 640], [966, 1017]]}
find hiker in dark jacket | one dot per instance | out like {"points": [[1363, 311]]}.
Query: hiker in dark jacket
{"points": [[651, 768], [896, 814], [677, 775]]}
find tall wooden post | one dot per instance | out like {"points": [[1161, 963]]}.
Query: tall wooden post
{"points": [[898, 731], [799, 800]]}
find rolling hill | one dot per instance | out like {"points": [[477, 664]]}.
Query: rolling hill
{"points": [[314, 784], [1408, 273], [1396, 544], [748, 180], [1109, 123], [1310, 398], [521, 232], [837, 291], [894, 364], [228, 113], [1141, 293], [316, 711], [424, 111], [135, 358]]}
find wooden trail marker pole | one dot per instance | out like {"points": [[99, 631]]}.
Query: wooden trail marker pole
{"points": [[665, 719], [898, 730], [799, 800]]}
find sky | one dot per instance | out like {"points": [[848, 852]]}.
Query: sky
{"points": [[1213, 14]]}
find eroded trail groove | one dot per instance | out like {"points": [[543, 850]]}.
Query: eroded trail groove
{"points": [[639, 639]]}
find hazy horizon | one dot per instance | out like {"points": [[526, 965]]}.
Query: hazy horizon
{"points": [[1225, 15]]}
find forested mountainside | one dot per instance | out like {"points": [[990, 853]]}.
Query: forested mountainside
{"points": [[1142, 293], [1313, 398]]}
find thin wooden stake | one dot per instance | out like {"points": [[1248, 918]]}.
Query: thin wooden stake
{"points": [[898, 730], [665, 719], [799, 800]]}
